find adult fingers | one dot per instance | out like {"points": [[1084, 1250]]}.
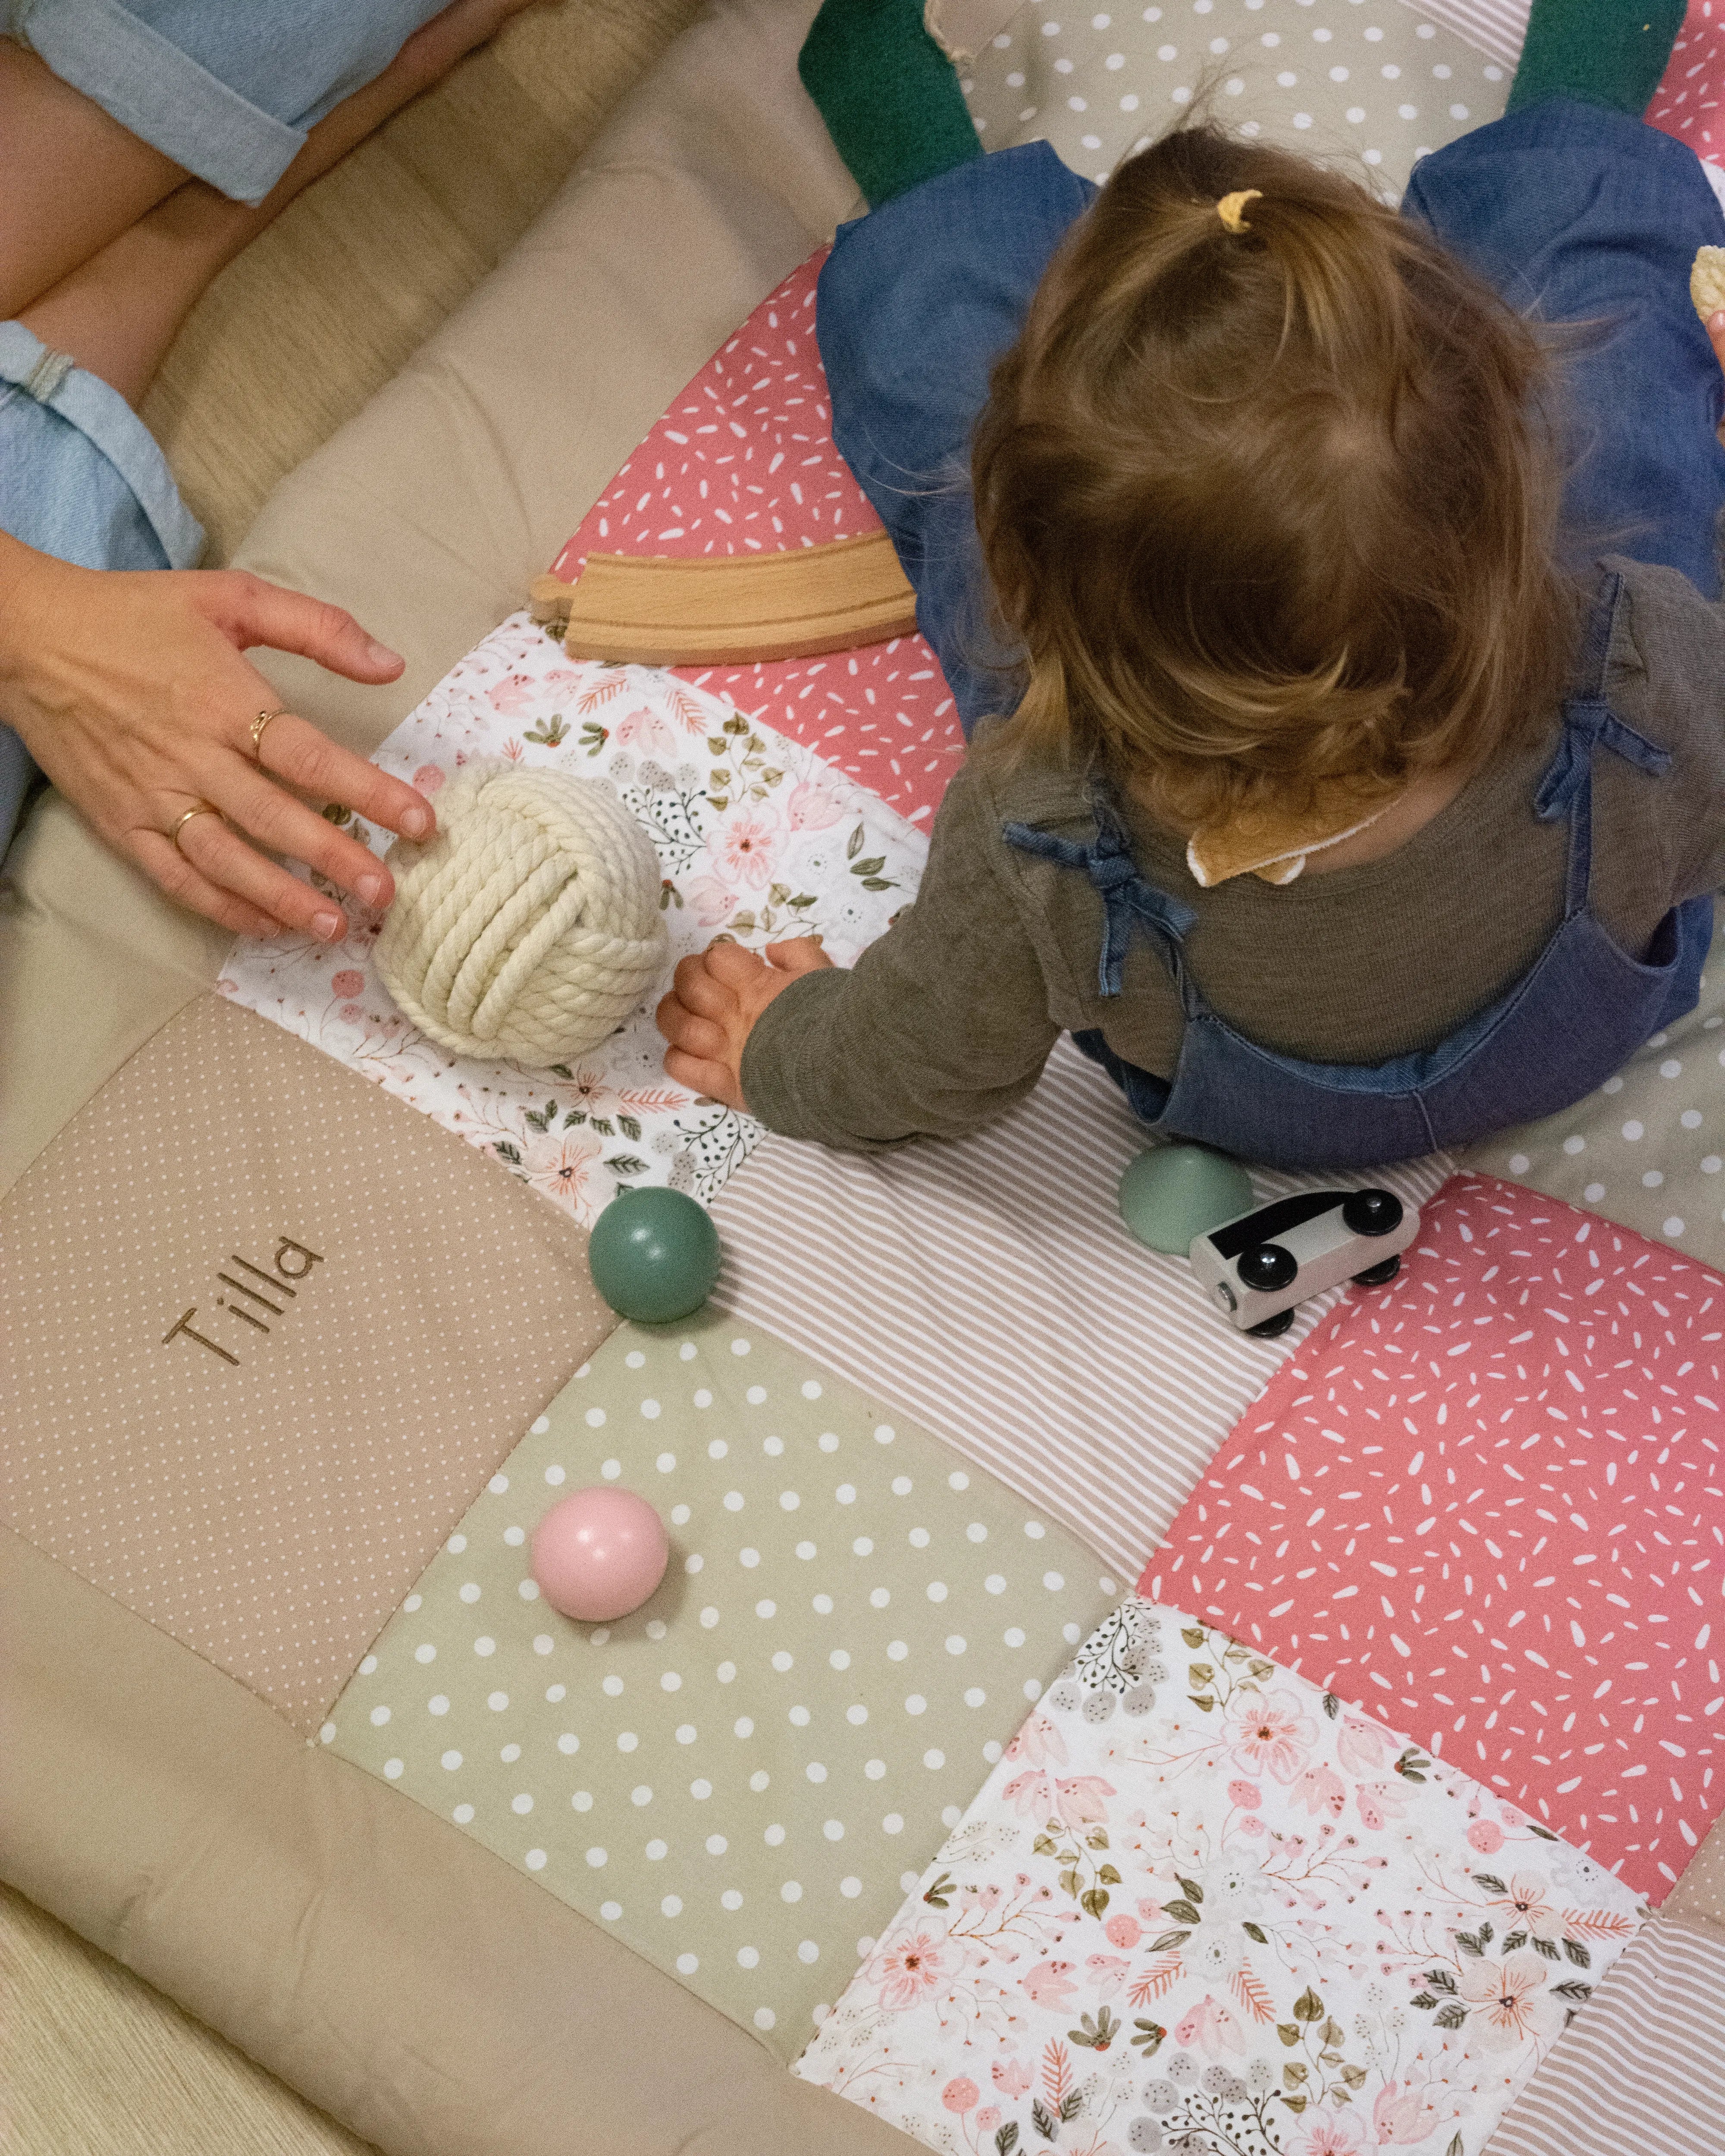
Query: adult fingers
{"points": [[1716, 335], [163, 863], [252, 612], [288, 826], [714, 1081], [226, 861], [292, 749]]}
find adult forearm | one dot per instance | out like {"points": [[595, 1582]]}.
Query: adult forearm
{"points": [[14, 558], [20, 568]]}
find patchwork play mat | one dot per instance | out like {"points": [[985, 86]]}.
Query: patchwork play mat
{"points": [[1381, 1812]]}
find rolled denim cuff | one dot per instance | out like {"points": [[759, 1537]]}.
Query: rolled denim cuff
{"points": [[151, 87]]}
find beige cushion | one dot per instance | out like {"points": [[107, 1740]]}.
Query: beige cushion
{"points": [[429, 514], [276, 355], [438, 2001]]}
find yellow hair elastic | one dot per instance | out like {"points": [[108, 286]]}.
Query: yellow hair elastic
{"points": [[1230, 206]]}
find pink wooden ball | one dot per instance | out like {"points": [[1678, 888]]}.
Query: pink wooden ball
{"points": [[599, 1553]]}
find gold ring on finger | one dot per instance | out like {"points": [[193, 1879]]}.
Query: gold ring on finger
{"points": [[258, 724], [198, 808]]}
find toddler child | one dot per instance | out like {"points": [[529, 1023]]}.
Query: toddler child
{"points": [[1332, 799]]}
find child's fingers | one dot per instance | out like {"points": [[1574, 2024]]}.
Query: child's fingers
{"points": [[696, 985], [801, 954], [729, 963], [715, 1080], [671, 1014], [689, 1029], [1716, 335], [694, 1036]]}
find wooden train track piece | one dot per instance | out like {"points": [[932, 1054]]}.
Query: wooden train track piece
{"points": [[733, 609]]}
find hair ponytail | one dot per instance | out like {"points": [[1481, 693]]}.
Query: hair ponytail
{"points": [[1269, 498]]}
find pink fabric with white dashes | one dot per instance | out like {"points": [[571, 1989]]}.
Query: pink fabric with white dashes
{"points": [[744, 462], [1489, 1502], [1687, 102]]}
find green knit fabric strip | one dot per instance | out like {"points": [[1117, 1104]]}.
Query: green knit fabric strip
{"points": [[888, 95], [1604, 52]]}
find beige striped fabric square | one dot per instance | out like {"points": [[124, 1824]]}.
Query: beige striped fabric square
{"points": [[1642, 2066], [989, 1288], [268, 1331]]}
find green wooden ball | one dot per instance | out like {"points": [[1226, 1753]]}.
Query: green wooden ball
{"points": [[1174, 1192], [654, 1256]]}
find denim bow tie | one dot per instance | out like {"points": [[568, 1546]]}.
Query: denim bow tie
{"points": [[1126, 898], [1590, 723]]}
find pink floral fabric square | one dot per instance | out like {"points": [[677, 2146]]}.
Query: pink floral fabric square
{"points": [[755, 833], [1488, 1502], [1200, 1904]]}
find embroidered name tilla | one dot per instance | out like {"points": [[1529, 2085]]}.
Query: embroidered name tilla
{"points": [[251, 1291]]}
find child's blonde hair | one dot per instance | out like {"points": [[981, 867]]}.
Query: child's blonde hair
{"points": [[1271, 506]]}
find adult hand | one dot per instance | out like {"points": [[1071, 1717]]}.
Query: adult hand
{"points": [[131, 692], [714, 1003]]}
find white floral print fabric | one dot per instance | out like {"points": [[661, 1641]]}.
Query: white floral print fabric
{"points": [[1201, 1906], [756, 836]]}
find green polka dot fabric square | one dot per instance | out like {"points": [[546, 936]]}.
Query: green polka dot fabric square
{"points": [[1365, 80], [1647, 1150], [740, 1779]]}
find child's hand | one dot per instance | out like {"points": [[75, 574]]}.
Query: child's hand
{"points": [[713, 1005]]}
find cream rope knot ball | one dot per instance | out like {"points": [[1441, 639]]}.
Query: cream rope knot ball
{"points": [[529, 928]]}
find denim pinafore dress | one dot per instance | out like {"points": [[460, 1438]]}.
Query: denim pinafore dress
{"points": [[1578, 1014], [1574, 212]]}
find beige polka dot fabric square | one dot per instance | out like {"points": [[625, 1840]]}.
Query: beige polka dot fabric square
{"points": [[1370, 83], [1647, 1149], [740, 1779], [267, 1331], [1700, 1893]]}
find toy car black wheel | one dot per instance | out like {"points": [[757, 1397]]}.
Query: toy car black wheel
{"points": [[1376, 1276], [1272, 1328], [1372, 1212], [1267, 1266]]}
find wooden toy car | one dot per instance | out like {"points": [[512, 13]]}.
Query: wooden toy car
{"points": [[1259, 1266]]}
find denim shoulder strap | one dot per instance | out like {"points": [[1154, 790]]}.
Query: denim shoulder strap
{"points": [[1589, 724], [1128, 900]]}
